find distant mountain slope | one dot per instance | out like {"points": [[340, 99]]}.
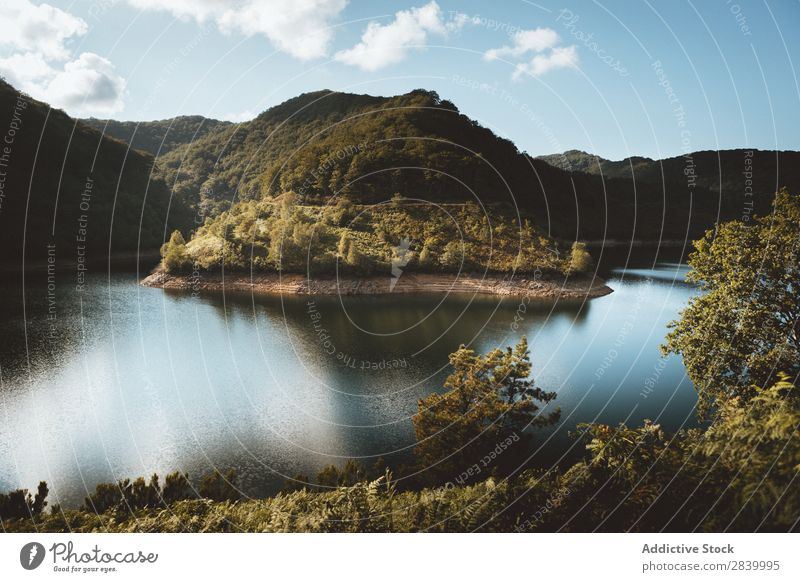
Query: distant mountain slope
{"points": [[579, 161], [63, 184], [157, 137], [324, 145], [727, 171]]}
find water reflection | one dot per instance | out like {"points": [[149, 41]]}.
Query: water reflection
{"points": [[141, 380]]}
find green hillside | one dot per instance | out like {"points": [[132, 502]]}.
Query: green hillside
{"points": [[64, 184], [729, 172], [157, 137], [282, 235], [326, 145]]}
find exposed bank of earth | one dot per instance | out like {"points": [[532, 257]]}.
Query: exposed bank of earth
{"points": [[573, 287]]}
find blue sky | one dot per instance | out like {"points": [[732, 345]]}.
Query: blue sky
{"points": [[652, 78]]}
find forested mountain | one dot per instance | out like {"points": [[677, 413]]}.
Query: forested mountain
{"points": [[158, 137], [62, 183], [325, 145], [730, 172]]}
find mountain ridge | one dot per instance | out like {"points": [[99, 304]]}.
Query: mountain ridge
{"points": [[159, 136], [740, 172], [326, 144], [68, 187]]}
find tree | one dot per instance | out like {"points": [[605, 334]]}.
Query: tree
{"points": [[453, 255], [490, 400], [580, 260], [176, 487], [427, 258], [40, 500], [343, 212], [344, 245], [19, 504], [287, 205], [355, 258], [745, 326], [738, 475], [220, 487], [174, 254]]}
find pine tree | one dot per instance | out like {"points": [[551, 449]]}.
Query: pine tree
{"points": [[344, 245], [490, 399], [580, 260], [174, 254]]}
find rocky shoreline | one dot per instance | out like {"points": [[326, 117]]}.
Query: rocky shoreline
{"points": [[574, 287]]}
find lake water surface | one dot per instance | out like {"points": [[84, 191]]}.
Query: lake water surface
{"points": [[120, 380]]}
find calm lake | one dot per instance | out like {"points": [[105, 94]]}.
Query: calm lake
{"points": [[120, 381]]}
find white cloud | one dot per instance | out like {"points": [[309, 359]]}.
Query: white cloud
{"points": [[382, 45], [42, 29], [87, 85], [542, 41], [25, 70], [39, 62], [559, 58], [301, 28], [535, 40]]}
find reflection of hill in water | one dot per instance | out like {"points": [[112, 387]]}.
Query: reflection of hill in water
{"points": [[389, 324]]}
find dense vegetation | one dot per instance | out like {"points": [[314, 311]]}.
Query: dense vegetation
{"points": [[327, 145], [64, 184], [157, 137], [485, 415], [279, 234], [744, 329], [739, 475], [746, 179]]}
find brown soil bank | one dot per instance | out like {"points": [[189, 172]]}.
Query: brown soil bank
{"points": [[575, 287]]}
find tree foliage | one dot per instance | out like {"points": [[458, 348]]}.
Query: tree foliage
{"points": [[174, 255], [580, 260], [744, 327], [738, 475], [489, 399], [283, 235], [219, 487], [19, 504]]}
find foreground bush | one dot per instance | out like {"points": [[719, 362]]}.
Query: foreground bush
{"points": [[739, 475]]}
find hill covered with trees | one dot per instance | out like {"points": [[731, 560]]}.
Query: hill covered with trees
{"points": [[157, 137], [71, 194], [746, 179], [326, 145], [282, 235]]}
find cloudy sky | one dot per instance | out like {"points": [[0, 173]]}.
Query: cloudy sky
{"points": [[615, 78]]}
